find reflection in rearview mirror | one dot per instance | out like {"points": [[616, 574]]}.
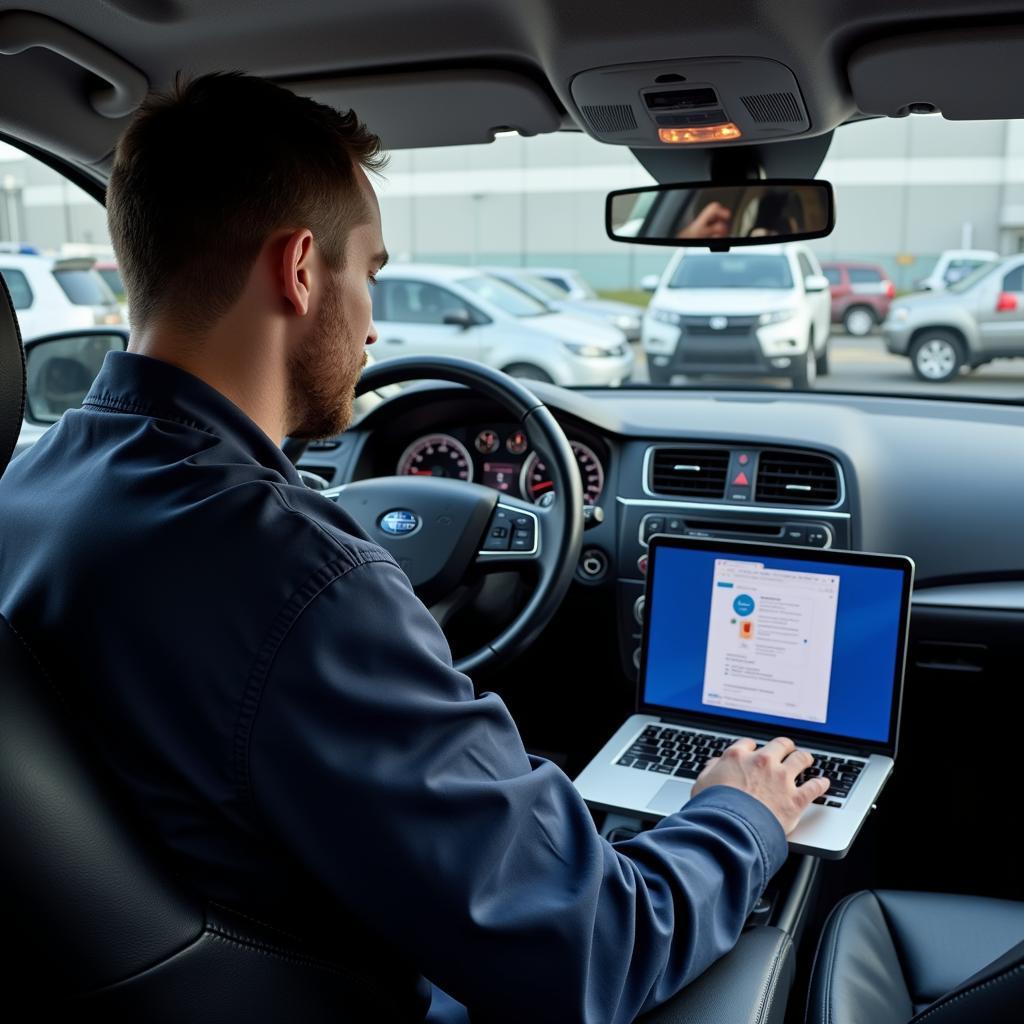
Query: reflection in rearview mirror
{"points": [[718, 216]]}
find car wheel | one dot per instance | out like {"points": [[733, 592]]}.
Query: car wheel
{"points": [[859, 321], [527, 371], [806, 372], [821, 360], [937, 356]]}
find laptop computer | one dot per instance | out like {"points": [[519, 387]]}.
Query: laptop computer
{"points": [[763, 640]]}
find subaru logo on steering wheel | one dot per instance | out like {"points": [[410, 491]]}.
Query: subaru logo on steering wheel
{"points": [[718, 323], [399, 522]]}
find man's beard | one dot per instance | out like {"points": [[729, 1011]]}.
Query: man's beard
{"points": [[322, 375]]}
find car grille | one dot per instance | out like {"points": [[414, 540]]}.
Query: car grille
{"points": [[700, 326]]}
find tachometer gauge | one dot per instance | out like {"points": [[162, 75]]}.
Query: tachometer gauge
{"points": [[536, 485], [436, 455]]}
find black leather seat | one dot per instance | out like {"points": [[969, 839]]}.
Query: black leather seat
{"points": [[895, 957]]}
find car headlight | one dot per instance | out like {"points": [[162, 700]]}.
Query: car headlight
{"points": [[625, 322], [777, 316], [664, 316], [899, 314], [592, 351]]}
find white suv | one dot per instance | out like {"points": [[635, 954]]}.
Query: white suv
{"points": [[762, 311], [57, 295], [425, 309]]}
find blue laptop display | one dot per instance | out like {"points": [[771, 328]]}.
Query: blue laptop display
{"points": [[801, 645]]}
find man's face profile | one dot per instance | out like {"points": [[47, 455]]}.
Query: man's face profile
{"points": [[324, 366]]}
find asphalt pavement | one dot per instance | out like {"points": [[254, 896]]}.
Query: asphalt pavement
{"points": [[863, 364]]}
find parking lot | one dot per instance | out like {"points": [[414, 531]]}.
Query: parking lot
{"points": [[863, 364]]}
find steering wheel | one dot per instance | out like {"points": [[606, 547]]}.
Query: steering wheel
{"points": [[443, 532]]}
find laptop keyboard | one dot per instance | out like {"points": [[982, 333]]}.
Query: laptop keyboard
{"points": [[669, 750]]}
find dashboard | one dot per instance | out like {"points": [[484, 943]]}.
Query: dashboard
{"points": [[940, 481]]}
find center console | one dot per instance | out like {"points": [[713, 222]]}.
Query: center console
{"points": [[728, 491]]}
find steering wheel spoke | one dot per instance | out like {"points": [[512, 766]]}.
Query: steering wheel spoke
{"points": [[514, 535]]}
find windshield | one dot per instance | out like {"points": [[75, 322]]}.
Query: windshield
{"points": [[537, 285], [504, 296], [732, 270], [84, 287], [919, 200], [970, 280]]}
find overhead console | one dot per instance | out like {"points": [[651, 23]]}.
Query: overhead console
{"points": [[724, 100], [964, 74]]}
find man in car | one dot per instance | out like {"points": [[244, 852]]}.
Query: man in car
{"points": [[261, 678]]}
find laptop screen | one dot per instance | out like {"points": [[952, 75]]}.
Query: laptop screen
{"points": [[784, 641]]}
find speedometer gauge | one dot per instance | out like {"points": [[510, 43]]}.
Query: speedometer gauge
{"points": [[536, 485], [436, 455]]}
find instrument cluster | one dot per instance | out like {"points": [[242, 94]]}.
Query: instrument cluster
{"points": [[498, 456]]}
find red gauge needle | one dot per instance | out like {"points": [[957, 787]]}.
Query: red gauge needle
{"points": [[541, 486]]}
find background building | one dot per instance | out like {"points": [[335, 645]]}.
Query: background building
{"points": [[906, 190]]}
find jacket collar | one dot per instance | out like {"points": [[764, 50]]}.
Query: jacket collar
{"points": [[134, 383]]}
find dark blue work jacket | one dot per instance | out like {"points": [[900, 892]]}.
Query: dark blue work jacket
{"points": [[283, 712]]}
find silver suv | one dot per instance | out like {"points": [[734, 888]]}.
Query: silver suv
{"points": [[972, 322]]}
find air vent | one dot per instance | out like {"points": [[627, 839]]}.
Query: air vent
{"points": [[611, 117], [774, 108], [797, 478], [689, 472]]}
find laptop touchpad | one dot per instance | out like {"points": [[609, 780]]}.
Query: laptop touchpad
{"points": [[671, 797]]}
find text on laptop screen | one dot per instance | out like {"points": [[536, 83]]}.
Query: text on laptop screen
{"points": [[778, 641]]}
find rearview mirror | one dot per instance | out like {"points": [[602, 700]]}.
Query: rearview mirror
{"points": [[719, 216], [60, 369]]}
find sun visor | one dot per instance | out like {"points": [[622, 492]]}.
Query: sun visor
{"points": [[966, 75], [440, 108]]}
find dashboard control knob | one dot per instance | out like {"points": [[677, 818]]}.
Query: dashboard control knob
{"points": [[641, 565], [636, 659], [638, 609]]}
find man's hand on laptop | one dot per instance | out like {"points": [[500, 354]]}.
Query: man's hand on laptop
{"points": [[768, 773]]}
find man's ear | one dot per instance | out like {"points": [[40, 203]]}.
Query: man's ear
{"points": [[297, 270]]}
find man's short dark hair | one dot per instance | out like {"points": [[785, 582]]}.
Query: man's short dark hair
{"points": [[208, 170]]}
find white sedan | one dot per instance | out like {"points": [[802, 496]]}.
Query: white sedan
{"points": [[427, 309]]}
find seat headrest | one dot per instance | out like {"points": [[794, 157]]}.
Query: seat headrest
{"points": [[12, 377]]}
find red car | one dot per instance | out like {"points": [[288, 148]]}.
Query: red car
{"points": [[861, 293]]}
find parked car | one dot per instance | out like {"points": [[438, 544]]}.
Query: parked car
{"points": [[57, 295], [970, 323], [617, 314], [953, 266], [763, 312], [861, 293], [460, 311], [571, 282]]}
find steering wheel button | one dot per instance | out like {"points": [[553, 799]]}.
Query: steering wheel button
{"points": [[498, 539], [523, 521]]}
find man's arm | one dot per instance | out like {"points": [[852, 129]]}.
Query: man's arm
{"points": [[481, 863]]}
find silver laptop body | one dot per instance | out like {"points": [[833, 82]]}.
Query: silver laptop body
{"points": [[761, 597]]}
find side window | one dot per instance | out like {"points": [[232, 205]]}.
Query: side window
{"points": [[864, 275], [419, 302], [1014, 280], [18, 286], [833, 274], [806, 270]]}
